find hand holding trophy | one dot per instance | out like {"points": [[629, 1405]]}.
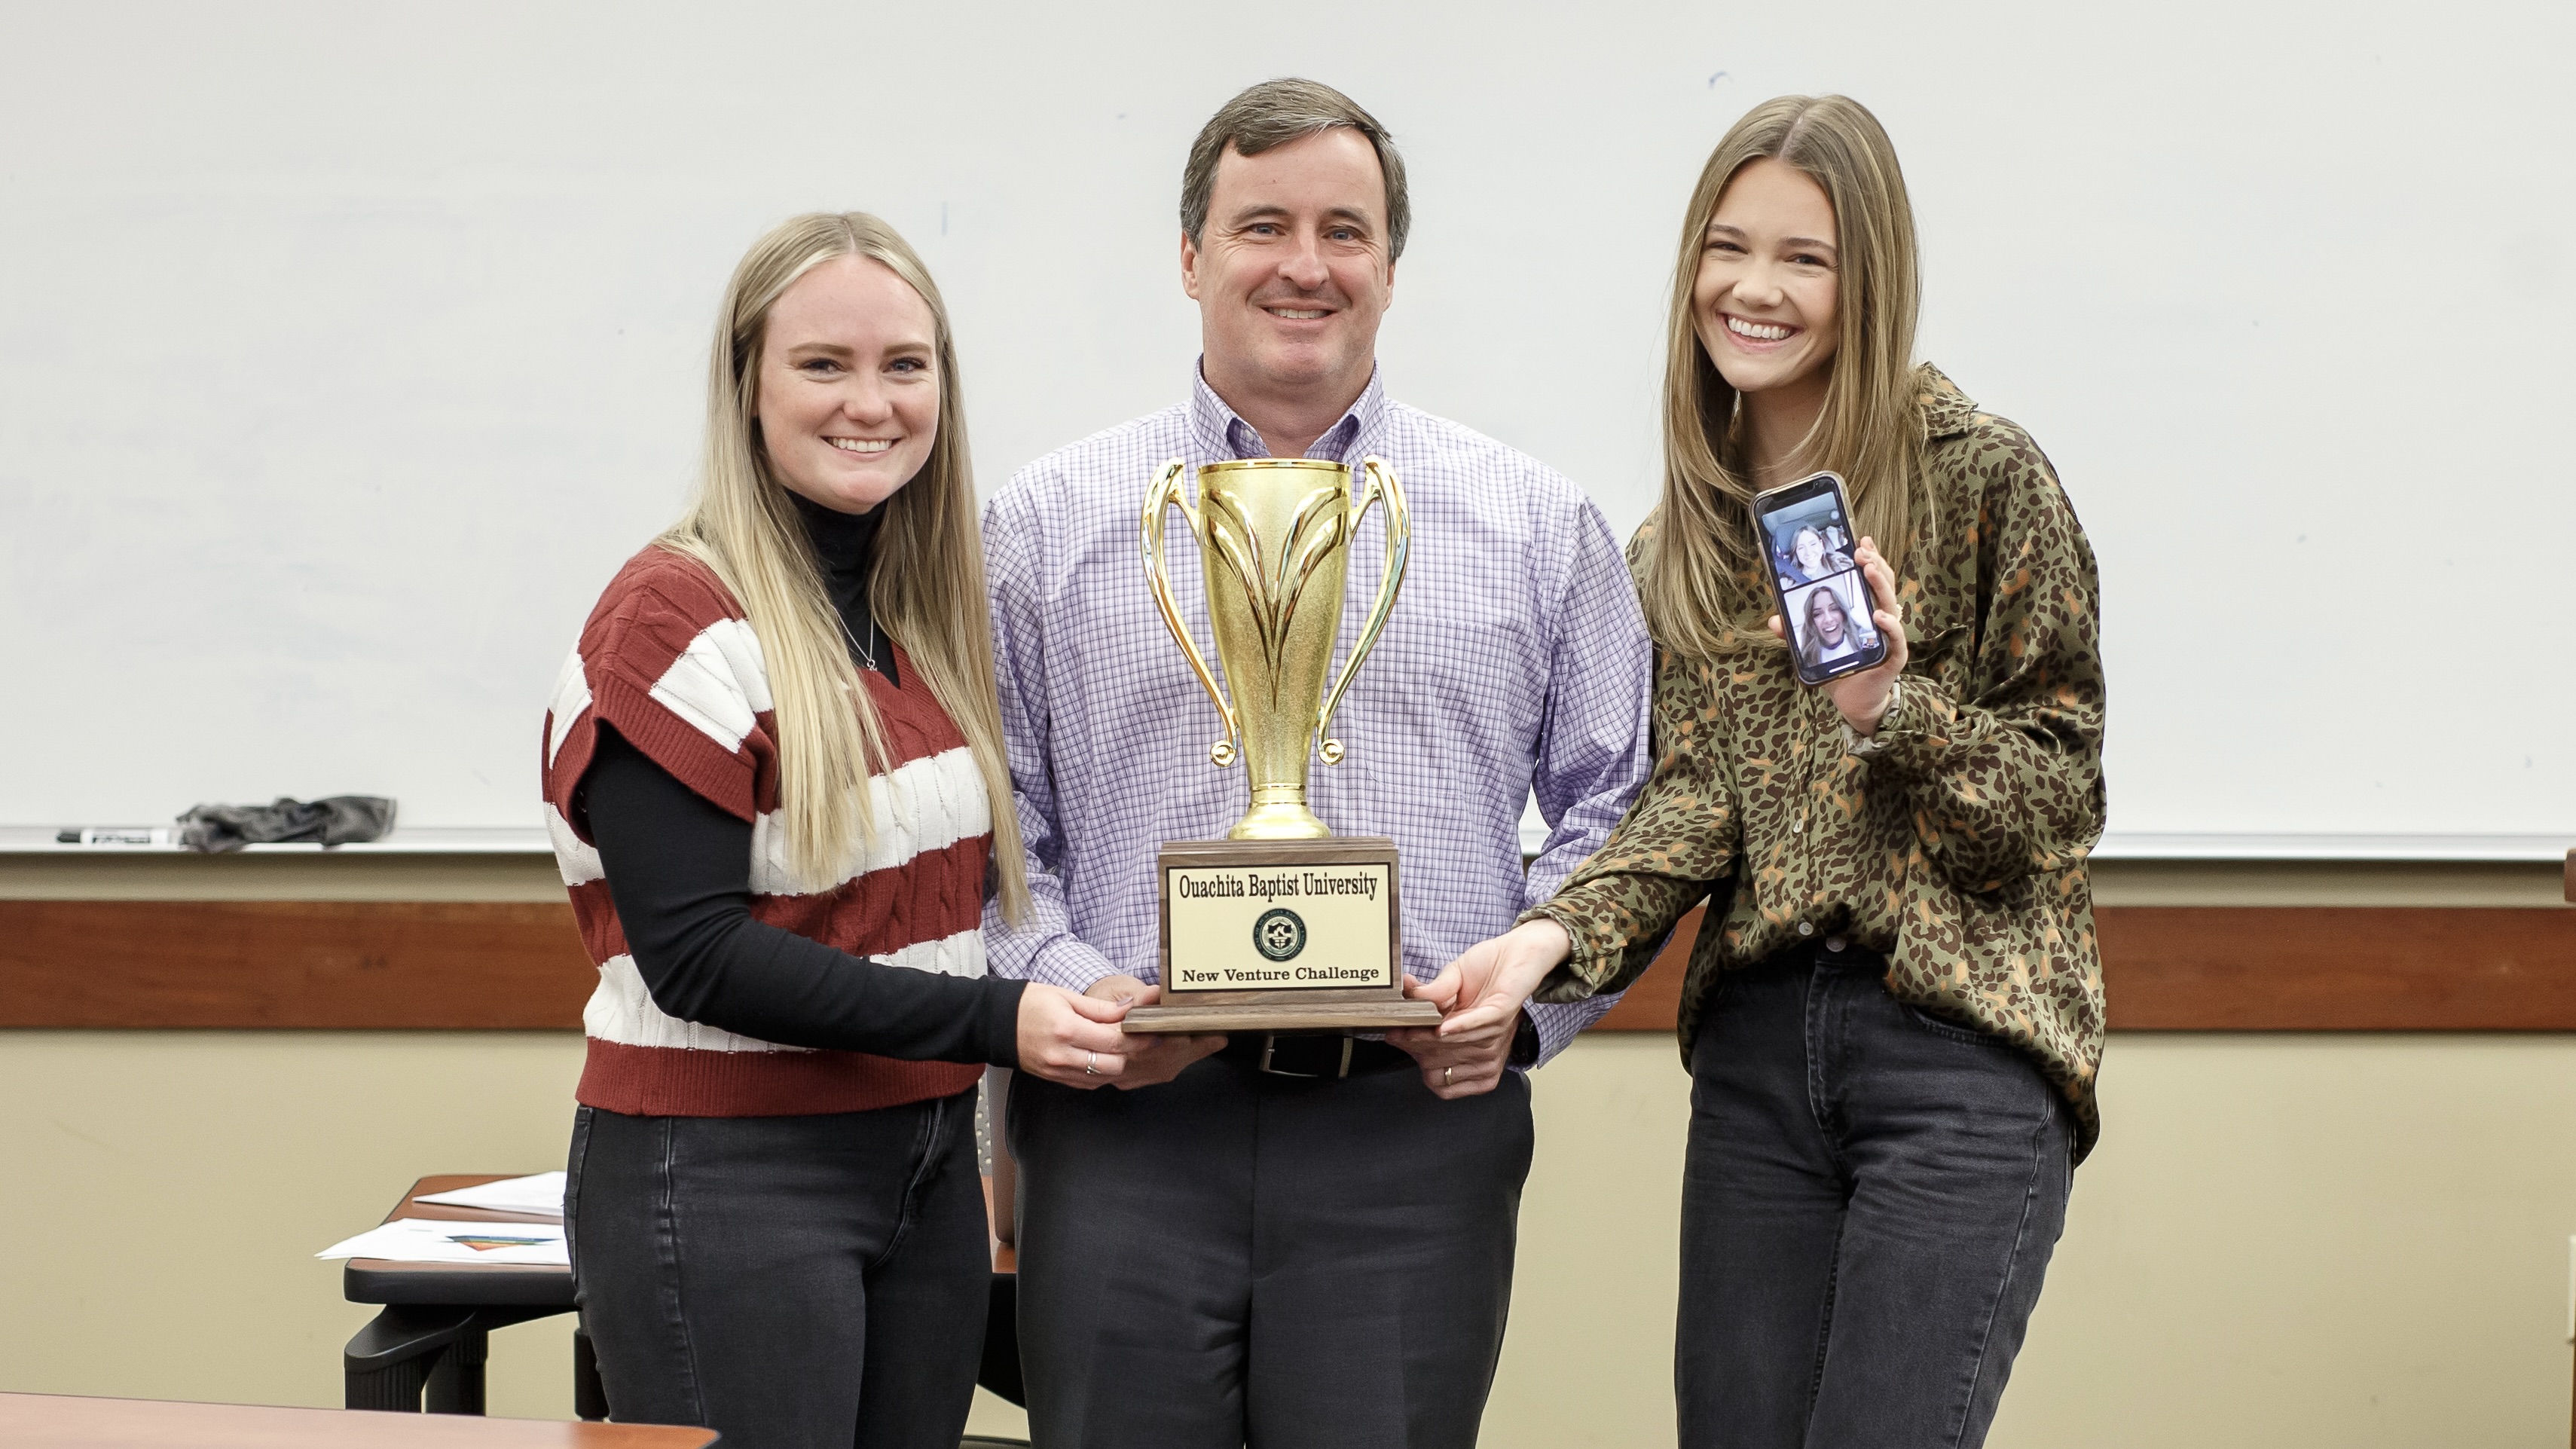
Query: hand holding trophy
{"points": [[1281, 926]]}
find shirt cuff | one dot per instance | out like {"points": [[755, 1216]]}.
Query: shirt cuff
{"points": [[1001, 1021], [1559, 1023], [1918, 726], [1570, 981], [1071, 964], [1876, 742]]}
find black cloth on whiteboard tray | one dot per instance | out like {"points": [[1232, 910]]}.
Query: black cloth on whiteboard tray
{"points": [[679, 869], [338, 820]]}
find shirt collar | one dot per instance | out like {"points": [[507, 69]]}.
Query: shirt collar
{"points": [[1222, 433], [1947, 412]]}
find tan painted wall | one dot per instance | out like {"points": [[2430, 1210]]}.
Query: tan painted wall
{"points": [[2284, 1240], [2354, 1241], [167, 1191]]}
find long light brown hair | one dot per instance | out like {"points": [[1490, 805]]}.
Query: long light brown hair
{"points": [[927, 590], [1701, 576]]}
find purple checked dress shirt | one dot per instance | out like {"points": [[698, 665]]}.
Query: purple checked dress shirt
{"points": [[1515, 661]]}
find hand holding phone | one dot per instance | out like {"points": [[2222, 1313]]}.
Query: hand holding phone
{"points": [[1836, 595], [1863, 697], [1806, 530]]}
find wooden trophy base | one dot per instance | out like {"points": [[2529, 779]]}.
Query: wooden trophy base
{"points": [[1318, 917], [1313, 1011]]}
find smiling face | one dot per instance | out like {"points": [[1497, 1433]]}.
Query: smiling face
{"points": [[1764, 302], [849, 384], [1810, 549], [1825, 618], [1291, 272]]}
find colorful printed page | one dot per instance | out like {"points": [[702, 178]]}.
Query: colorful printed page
{"points": [[423, 1240]]}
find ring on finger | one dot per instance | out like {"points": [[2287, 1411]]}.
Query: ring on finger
{"points": [[1446, 1073], [1091, 1064]]}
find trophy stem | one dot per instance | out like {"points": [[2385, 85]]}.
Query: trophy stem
{"points": [[1279, 813]]}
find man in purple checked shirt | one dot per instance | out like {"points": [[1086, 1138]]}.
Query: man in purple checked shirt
{"points": [[1247, 1248]]}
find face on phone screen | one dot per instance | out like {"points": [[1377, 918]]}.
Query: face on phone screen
{"points": [[1824, 599]]}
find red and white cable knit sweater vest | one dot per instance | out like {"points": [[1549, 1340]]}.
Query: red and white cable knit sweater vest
{"points": [[669, 661]]}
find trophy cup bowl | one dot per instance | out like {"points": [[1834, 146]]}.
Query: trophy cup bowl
{"points": [[1282, 925]]}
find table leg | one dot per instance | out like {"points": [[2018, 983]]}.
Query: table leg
{"points": [[410, 1350], [1000, 1369], [589, 1395], [394, 1387], [456, 1376], [390, 1360]]}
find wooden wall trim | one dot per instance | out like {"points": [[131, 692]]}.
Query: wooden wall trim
{"points": [[2288, 968], [2308, 968], [489, 964], [496, 965]]}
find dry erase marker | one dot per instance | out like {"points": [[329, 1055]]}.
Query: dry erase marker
{"points": [[146, 835]]}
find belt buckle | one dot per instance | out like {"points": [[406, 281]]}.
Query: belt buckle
{"points": [[1270, 1045]]}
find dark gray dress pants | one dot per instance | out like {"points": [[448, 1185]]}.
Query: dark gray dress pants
{"points": [[790, 1282], [1236, 1258], [1868, 1208]]}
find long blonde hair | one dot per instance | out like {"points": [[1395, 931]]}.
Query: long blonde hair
{"points": [[1701, 576], [927, 590]]}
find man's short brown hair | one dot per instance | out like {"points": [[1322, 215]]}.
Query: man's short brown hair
{"points": [[1275, 113]]}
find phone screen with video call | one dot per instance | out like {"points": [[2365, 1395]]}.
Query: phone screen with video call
{"points": [[1806, 534]]}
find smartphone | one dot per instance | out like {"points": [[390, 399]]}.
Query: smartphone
{"points": [[1805, 532]]}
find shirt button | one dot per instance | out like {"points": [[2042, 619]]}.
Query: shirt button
{"points": [[1805, 929], [1798, 825], [1834, 943]]}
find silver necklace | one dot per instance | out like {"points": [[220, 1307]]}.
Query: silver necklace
{"points": [[867, 654]]}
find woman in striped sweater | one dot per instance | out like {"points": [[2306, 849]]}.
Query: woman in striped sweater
{"points": [[771, 768]]}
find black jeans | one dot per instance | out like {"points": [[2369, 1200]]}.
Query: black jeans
{"points": [[1868, 1207], [790, 1282], [1237, 1258]]}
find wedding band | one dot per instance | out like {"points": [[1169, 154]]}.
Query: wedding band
{"points": [[1446, 1073], [1091, 1066]]}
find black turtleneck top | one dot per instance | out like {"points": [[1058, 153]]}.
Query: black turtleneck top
{"points": [[679, 869], [845, 544]]}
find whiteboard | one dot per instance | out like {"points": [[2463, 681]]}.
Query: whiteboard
{"points": [[346, 351]]}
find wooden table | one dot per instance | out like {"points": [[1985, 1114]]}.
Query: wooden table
{"points": [[58, 1421], [431, 1341], [429, 1345]]}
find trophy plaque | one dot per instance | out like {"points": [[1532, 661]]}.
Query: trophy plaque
{"points": [[1282, 925]]}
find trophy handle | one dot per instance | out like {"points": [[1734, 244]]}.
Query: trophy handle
{"points": [[1380, 485], [1165, 494]]}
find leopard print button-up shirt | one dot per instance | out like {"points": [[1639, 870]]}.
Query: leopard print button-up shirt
{"points": [[1956, 848]]}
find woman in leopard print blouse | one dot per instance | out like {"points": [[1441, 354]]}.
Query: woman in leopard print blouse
{"points": [[1893, 1014]]}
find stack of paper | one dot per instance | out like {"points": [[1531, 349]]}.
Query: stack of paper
{"points": [[543, 1193], [421, 1240]]}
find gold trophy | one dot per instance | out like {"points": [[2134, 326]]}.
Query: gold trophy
{"points": [[1282, 925]]}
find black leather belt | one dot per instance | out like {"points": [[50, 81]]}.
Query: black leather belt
{"points": [[1331, 1054]]}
